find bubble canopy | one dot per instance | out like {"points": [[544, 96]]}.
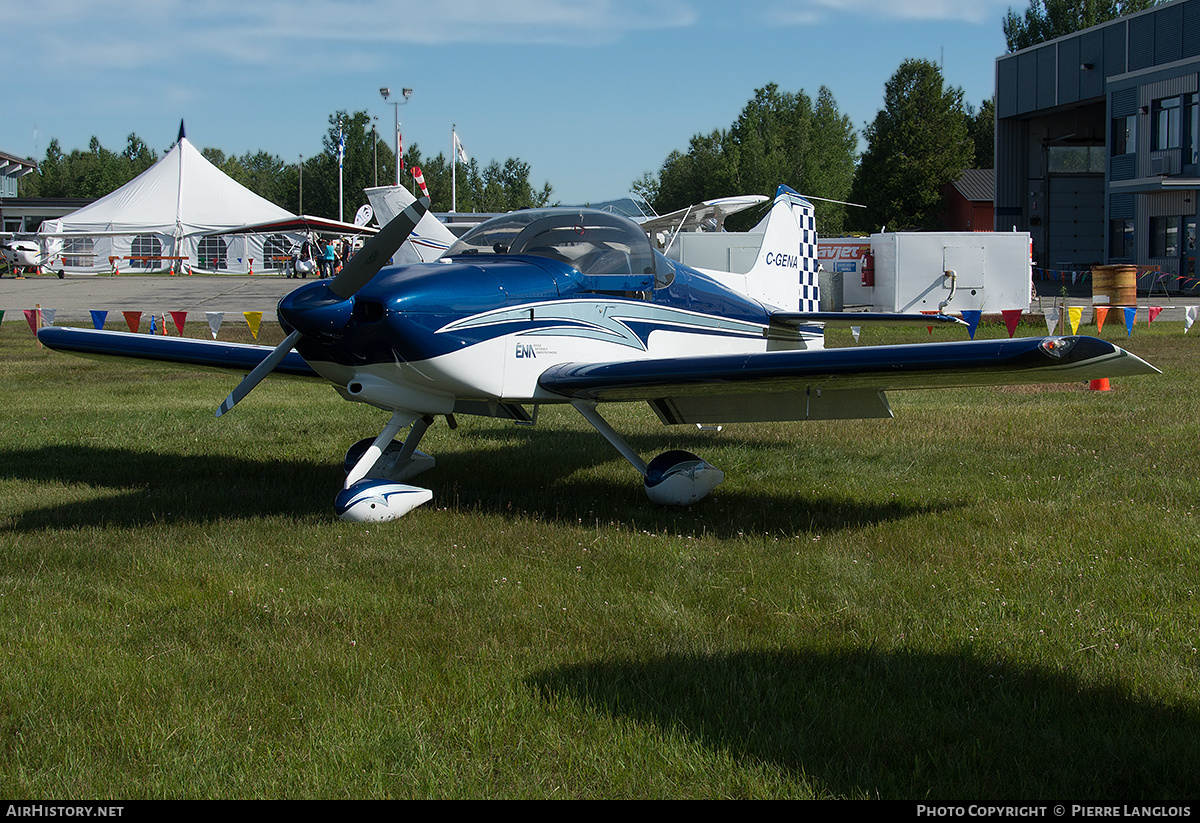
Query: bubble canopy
{"points": [[594, 242]]}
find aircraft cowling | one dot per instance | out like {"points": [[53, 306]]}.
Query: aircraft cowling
{"points": [[680, 478], [316, 312]]}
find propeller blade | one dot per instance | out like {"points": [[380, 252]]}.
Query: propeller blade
{"points": [[357, 272], [364, 265], [258, 373]]}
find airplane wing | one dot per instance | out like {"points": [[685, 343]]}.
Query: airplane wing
{"points": [[833, 383], [302, 223], [863, 318], [180, 350], [691, 218]]}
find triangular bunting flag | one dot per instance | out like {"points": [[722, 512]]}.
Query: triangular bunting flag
{"points": [[929, 328], [1052, 320], [1101, 313], [133, 319], [1011, 318], [1154, 312], [31, 317], [1, 318], [48, 317], [253, 320], [153, 326], [214, 321], [856, 331], [1130, 319], [98, 318], [1189, 317], [179, 317], [1075, 314], [972, 317], [163, 324]]}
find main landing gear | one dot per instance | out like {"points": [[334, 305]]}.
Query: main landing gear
{"points": [[674, 478], [376, 470]]}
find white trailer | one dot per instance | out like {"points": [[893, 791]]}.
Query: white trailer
{"points": [[893, 271], [928, 271]]}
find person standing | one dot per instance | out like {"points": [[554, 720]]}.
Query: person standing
{"points": [[330, 259]]}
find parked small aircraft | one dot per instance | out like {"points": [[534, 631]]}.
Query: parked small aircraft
{"points": [[22, 254], [576, 307]]}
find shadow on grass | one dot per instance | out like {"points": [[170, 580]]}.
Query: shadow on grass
{"points": [[908, 725], [161, 487], [520, 473], [549, 475]]}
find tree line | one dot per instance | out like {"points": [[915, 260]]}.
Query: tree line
{"points": [[925, 136], [779, 137], [310, 185]]}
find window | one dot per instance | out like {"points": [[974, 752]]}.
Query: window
{"points": [[1191, 122], [1167, 119], [212, 253], [276, 251], [1164, 236], [1124, 138], [1120, 239], [1076, 159], [145, 252], [79, 252]]}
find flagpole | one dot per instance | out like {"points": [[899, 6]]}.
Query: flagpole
{"points": [[453, 169], [341, 156]]}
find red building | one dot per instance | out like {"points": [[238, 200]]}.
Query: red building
{"points": [[970, 201]]}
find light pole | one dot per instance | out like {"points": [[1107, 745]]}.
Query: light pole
{"points": [[406, 93]]}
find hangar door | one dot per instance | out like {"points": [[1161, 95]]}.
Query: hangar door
{"points": [[1075, 218]]}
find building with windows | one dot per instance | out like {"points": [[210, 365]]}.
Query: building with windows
{"points": [[1098, 146], [20, 215], [12, 169]]}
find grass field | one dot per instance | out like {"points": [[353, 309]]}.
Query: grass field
{"points": [[992, 596]]}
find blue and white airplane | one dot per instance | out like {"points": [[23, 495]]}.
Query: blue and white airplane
{"points": [[574, 306]]}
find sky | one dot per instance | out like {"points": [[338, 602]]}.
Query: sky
{"points": [[592, 95]]}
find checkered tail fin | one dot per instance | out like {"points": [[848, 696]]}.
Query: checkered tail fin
{"points": [[785, 275]]}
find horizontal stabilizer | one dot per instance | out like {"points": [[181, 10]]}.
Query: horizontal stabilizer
{"points": [[180, 350]]}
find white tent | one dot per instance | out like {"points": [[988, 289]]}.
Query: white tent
{"points": [[161, 220]]}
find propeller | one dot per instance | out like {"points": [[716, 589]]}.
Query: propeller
{"points": [[357, 272]]}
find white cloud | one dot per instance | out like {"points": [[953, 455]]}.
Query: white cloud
{"points": [[82, 32], [811, 12]]}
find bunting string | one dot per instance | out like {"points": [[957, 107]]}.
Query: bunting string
{"points": [[1069, 317]]}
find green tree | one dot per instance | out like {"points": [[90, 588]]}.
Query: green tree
{"points": [[361, 146], [1047, 19], [92, 173], [918, 143], [138, 156], [981, 126], [779, 137], [830, 163]]}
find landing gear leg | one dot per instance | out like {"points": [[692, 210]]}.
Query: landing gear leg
{"points": [[674, 478], [371, 491]]}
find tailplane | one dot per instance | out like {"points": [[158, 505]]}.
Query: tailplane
{"points": [[785, 274], [429, 239]]}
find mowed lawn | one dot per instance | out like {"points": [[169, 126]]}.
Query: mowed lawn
{"points": [[992, 596]]}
